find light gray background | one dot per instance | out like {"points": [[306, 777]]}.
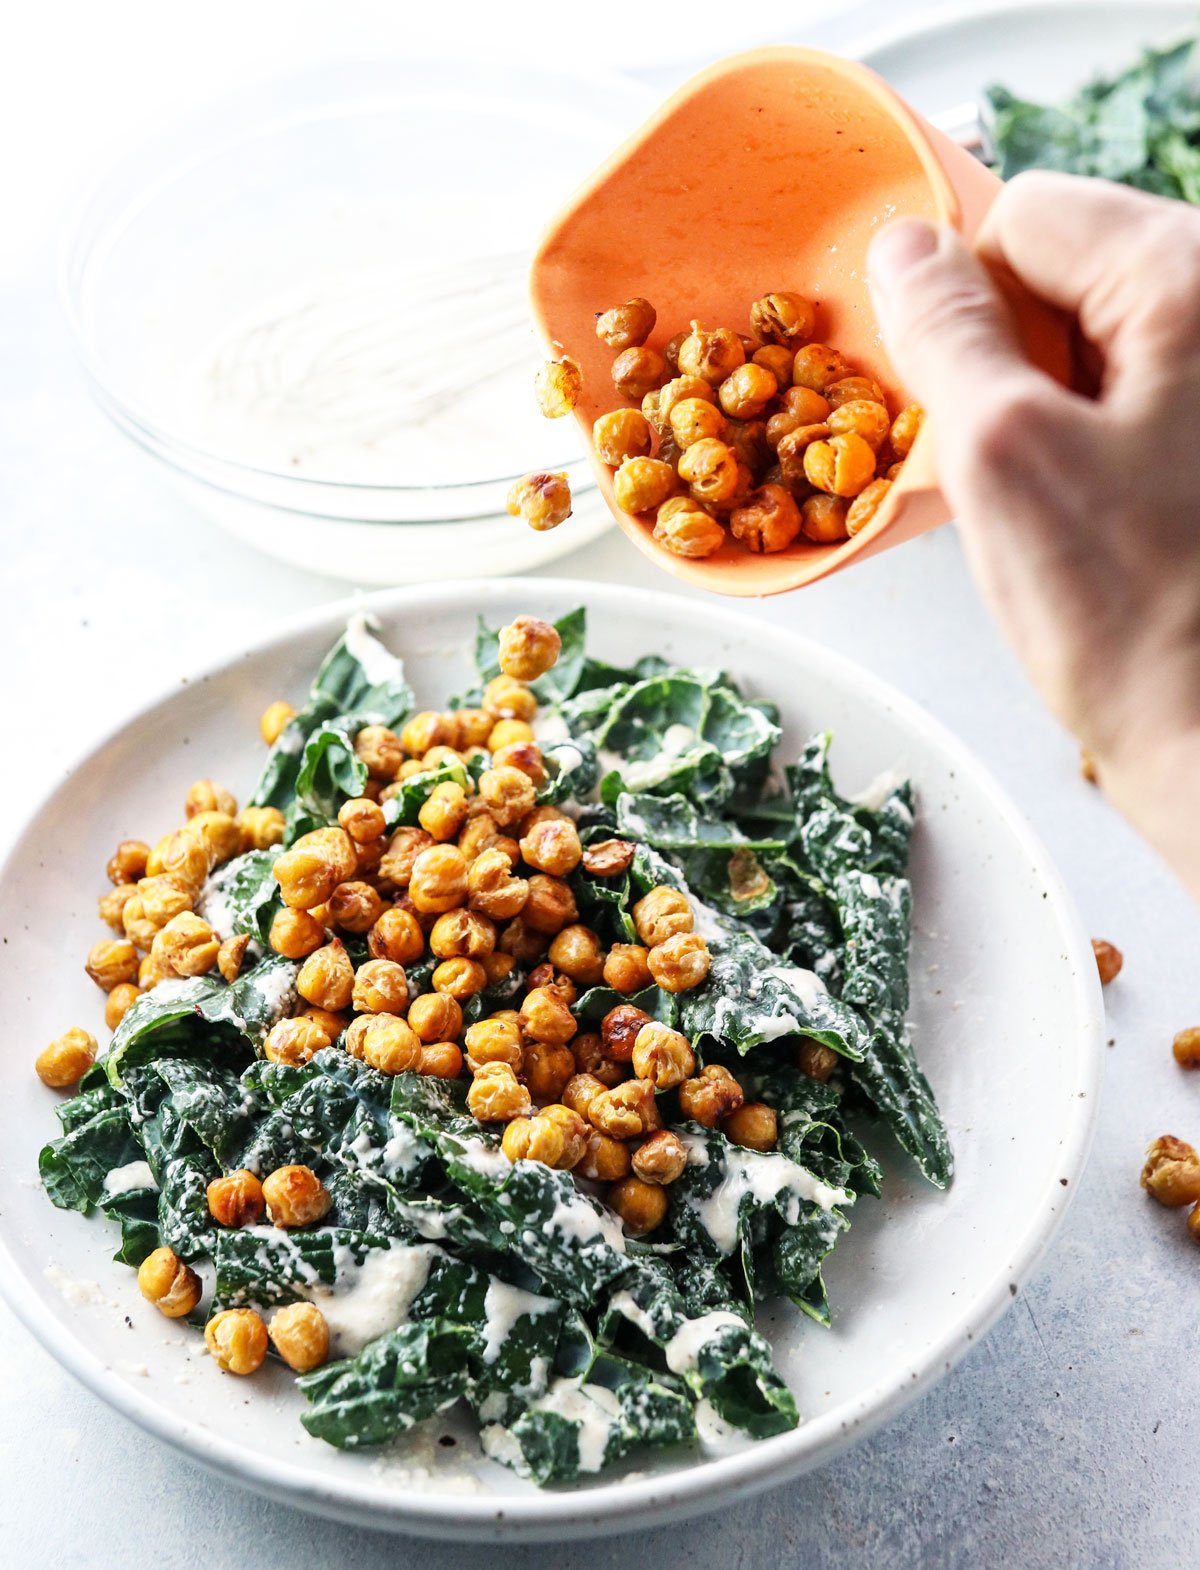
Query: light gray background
{"points": [[1068, 1437]]}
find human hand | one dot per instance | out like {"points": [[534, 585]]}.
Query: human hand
{"points": [[1080, 517]]}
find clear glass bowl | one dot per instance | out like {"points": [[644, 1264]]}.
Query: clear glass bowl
{"points": [[309, 305]]}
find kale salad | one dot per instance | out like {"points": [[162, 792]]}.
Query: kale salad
{"points": [[505, 1054], [1140, 127]]}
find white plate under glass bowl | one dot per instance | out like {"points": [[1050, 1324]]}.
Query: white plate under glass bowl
{"points": [[1006, 1012]]}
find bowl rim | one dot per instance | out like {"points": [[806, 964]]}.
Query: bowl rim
{"points": [[89, 230], [650, 1500]]}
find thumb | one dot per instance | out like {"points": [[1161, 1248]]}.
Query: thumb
{"points": [[944, 322]]}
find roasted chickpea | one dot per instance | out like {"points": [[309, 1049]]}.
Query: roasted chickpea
{"points": [[574, 1129], [769, 521], [332, 1021], [710, 353], [683, 527], [791, 453], [187, 946], [625, 968], [522, 942], [783, 318], [260, 828], [403, 848], [309, 872], [294, 1041], [581, 1093], [711, 1096], [138, 927], [1109, 960], [162, 898], [380, 749], [776, 358], [471, 728], [825, 519], [128, 862], [295, 934], [545, 975], [1186, 1047], [637, 371], [557, 385], [588, 1051], [549, 907], [460, 978], [528, 648], [111, 906], [504, 698], [661, 913], [552, 846], [237, 1340], [380, 987], [295, 1195], [439, 879], [231, 954], [546, 1069], [577, 952], [440, 1060], [118, 1003], [150, 973], [300, 1336], [753, 1125], [208, 796], [681, 963], [904, 429], [396, 936], [640, 1206], [641, 484], [604, 1159], [236, 1200], [164, 1280], [547, 1018], [181, 855], [660, 1159], [542, 499], [444, 811], [748, 439], [523, 755], [274, 720], [696, 419], [746, 391], [355, 907], [865, 505], [711, 469], [815, 1059], [533, 1139], [385, 1042], [434, 1016], [507, 794], [494, 1040], [619, 1030], [1172, 1172], [662, 1055], [853, 389], [841, 466], [817, 365], [496, 1096], [462, 933], [626, 1111], [621, 434], [111, 962], [491, 887], [481, 832], [326, 977], [609, 858], [67, 1059], [892, 471], [362, 819], [865, 419], [626, 326]]}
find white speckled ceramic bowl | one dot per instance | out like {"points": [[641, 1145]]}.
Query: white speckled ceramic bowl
{"points": [[1007, 1017]]}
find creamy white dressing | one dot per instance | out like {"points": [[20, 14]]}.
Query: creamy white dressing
{"points": [[625, 1304], [707, 922], [503, 1306], [550, 728], [682, 1351], [716, 1436], [214, 907], [489, 1160], [806, 984], [763, 1176], [640, 773], [379, 665], [881, 787], [278, 991], [134, 1174], [367, 1300], [594, 1408]]}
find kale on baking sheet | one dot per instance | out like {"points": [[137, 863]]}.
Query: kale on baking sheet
{"points": [[448, 1273], [1141, 127]]}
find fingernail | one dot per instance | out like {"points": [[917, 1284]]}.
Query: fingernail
{"points": [[895, 249]]}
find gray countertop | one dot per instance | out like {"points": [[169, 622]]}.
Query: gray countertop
{"points": [[1067, 1437]]}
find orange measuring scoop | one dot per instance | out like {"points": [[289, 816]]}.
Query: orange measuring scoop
{"points": [[771, 170]]}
